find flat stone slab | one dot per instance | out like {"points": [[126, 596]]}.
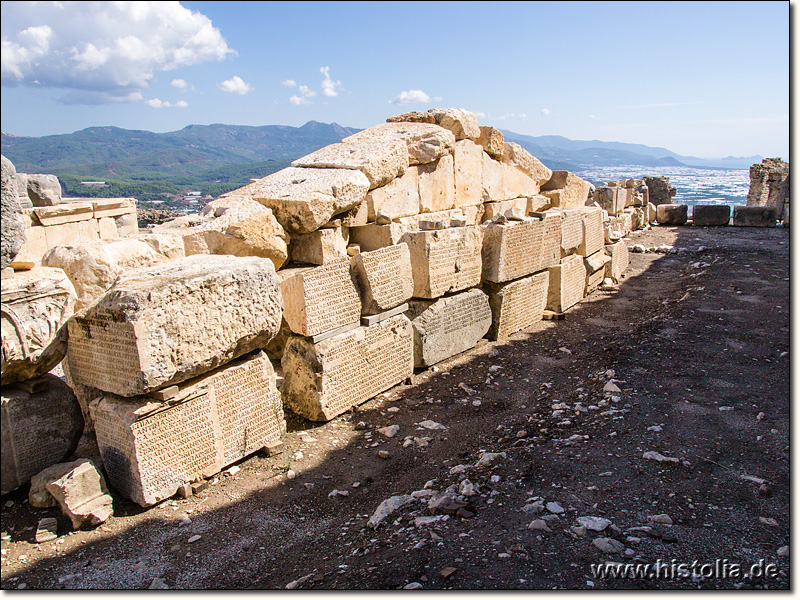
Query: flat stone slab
{"points": [[593, 236], [619, 260], [567, 284], [672, 214], [517, 305], [512, 250], [755, 216], [384, 278], [711, 215]]}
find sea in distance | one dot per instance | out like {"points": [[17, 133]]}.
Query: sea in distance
{"points": [[694, 186]]}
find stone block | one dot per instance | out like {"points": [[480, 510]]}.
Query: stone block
{"points": [[36, 306], [82, 495], [503, 182], [12, 220], [492, 209], [320, 299], [41, 426], [611, 199], [593, 237], [437, 185], [516, 156], [113, 207], [43, 190], [127, 225], [448, 326], [566, 190], [153, 327], [652, 212], [551, 238], [150, 448], [324, 380], [462, 123], [517, 305], [755, 216], [567, 284], [571, 229], [710, 215], [398, 198], [426, 142], [107, 227], [372, 237], [638, 217], [320, 246], [595, 270], [672, 214], [33, 249], [71, 212], [66, 234], [38, 496], [491, 140], [356, 216], [444, 261], [512, 250], [89, 231], [619, 261], [468, 158], [383, 277]]}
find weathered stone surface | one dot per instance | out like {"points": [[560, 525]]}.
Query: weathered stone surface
{"points": [[492, 209], [567, 283], [571, 229], [517, 305], [593, 237], [619, 261], [398, 198], [380, 158], [35, 246], [85, 395], [113, 207], [150, 448], [448, 260], [516, 156], [503, 182], [491, 140], [153, 327], [512, 250], [769, 184], [320, 246], [462, 123], [652, 213], [44, 190], [755, 216], [21, 180], [708, 215], [94, 267], [322, 381], [383, 278], [660, 191], [437, 185], [638, 217], [69, 234], [36, 305], [551, 238], [12, 224], [426, 142], [38, 496], [468, 173], [320, 299], [40, 428], [127, 225], [566, 190], [416, 116], [304, 199], [672, 214], [59, 214], [595, 265], [82, 495], [448, 326], [610, 198]]}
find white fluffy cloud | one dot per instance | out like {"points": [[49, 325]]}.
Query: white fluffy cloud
{"points": [[102, 51], [545, 111], [179, 83], [411, 96], [235, 85], [289, 82], [156, 103], [330, 88]]}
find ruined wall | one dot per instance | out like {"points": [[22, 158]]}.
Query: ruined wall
{"points": [[769, 184]]}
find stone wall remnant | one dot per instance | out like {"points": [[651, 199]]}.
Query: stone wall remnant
{"points": [[769, 184]]}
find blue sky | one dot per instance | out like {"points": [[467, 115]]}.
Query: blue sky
{"points": [[708, 79]]}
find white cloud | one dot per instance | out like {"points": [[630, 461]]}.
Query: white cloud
{"points": [[298, 100], [411, 96], [235, 85], [102, 51], [595, 118], [289, 82], [306, 91], [509, 116], [330, 88], [179, 83], [157, 103], [545, 111]]}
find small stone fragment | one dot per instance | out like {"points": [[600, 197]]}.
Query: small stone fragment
{"points": [[663, 518], [608, 545], [46, 530], [539, 525]]}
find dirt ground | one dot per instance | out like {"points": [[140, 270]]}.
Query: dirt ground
{"points": [[696, 340]]}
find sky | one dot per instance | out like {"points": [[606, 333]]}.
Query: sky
{"points": [[705, 79]]}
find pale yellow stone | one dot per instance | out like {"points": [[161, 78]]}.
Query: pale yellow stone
{"points": [[616, 268], [567, 283], [593, 237], [383, 277], [113, 207], [463, 123], [34, 247], [425, 142], [512, 250], [437, 185], [127, 225], [320, 246], [468, 174], [516, 156], [567, 190], [399, 198], [108, 228], [59, 214], [517, 305], [491, 140], [492, 209]]}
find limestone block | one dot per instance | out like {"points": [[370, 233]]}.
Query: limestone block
{"points": [[150, 448], [566, 189], [710, 215], [503, 182], [753, 216], [638, 218], [356, 216], [320, 246], [22, 190], [516, 156], [38, 496], [82, 495], [12, 223], [64, 234], [619, 261], [593, 237], [43, 190], [153, 327], [398, 198], [89, 231], [320, 299], [113, 207], [167, 245], [383, 278], [517, 305], [41, 426], [33, 249], [416, 116], [491, 140], [372, 237], [437, 185], [567, 283], [36, 305], [492, 209], [380, 159], [71, 212], [304, 199], [673, 214], [610, 199], [462, 123], [551, 238], [426, 142], [595, 270], [512, 250], [448, 326], [108, 228], [468, 173], [538, 203], [571, 229], [127, 225], [443, 261], [324, 380], [94, 267]]}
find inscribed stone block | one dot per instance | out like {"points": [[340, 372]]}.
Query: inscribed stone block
{"points": [[593, 237], [512, 250], [468, 173], [567, 283], [324, 380], [551, 238], [517, 304], [155, 326], [320, 246], [571, 229], [437, 185], [619, 261], [710, 215], [151, 448], [383, 278]]}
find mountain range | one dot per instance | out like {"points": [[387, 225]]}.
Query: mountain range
{"points": [[209, 151]]}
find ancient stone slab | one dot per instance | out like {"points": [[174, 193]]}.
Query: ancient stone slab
{"points": [[64, 213], [491, 140], [320, 246], [567, 283], [113, 207], [370, 320], [126, 225], [462, 123], [38, 496], [437, 185], [566, 189], [503, 182], [516, 156], [320, 299], [672, 214], [372, 237], [755, 216], [40, 428], [468, 173], [660, 191], [107, 227], [710, 215], [619, 261], [82, 495], [512, 250], [571, 229], [150, 448], [11, 220], [398, 198], [153, 327], [35, 306], [517, 304], [448, 260], [304, 199], [593, 237], [638, 217], [425, 141], [322, 381], [551, 237], [383, 277], [448, 326], [380, 158], [43, 190], [492, 209], [769, 184], [611, 199], [595, 265]]}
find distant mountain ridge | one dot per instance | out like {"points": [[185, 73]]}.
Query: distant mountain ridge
{"points": [[100, 152]]}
